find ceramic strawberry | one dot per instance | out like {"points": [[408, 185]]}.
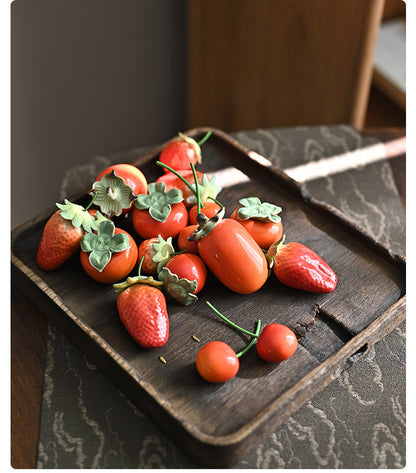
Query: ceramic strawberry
{"points": [[143, 311], [62, 234], [299, 267]]}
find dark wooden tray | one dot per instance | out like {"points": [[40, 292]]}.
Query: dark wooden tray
{"points": [[216, 424]]}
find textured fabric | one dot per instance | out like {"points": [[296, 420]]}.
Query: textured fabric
{"points": [[358, 421]]}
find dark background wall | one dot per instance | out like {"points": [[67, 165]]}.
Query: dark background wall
{"points": [[89, 77]]}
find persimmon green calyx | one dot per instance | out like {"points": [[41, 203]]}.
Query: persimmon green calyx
{"points": [[252, 207], [205, 224], [113, 194], [77, 215], [179, 289], [157, 201], [103, 244]]}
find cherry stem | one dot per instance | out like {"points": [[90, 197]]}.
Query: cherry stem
{"points": [[216, 201], [252, 341], [255, 335], [198, 195], [177, 174], [205, 138], [92, 201]]}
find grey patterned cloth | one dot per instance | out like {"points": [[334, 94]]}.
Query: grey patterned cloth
{"points": [[358, 421]]}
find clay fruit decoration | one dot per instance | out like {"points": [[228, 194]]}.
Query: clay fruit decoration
{"points": [[117, 187], [260, 219], [182, 151], [217, 362], [231, 253], [298, 266], [143, 311], [155, 253], [62, 235], [275, 343], [159, 212], [108, 255]]}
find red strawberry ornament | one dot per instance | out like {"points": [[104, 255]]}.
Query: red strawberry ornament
{"points": [[299, 267], [62, 235], [143, 311]]}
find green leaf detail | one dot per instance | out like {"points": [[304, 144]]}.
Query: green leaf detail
{"points": [[179, 289], [252, 207], [103, 244], [157, 201], [164, 250], [78, 216], [113, 194], [207, 189]]}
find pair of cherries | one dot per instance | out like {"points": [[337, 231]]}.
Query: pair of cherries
{"points": [[217, 362]]}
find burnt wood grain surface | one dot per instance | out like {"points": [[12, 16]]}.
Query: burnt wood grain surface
{"points": [[178, 400]]}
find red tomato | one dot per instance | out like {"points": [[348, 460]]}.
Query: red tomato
{"points": [[146, 251], [172, 181], [120, 265], [217, 362], [209, 209], [231, 253], [189, 266], [184, 243], [132, 176], [180, 153], [276, 343], [264, 233], [148, 227]]}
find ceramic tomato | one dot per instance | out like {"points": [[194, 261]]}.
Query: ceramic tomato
{"points": [[159, 212], [261, 220], [108, 255], [116, 188], [231, 253], [276, 343], [217, 362], [189, 266]]}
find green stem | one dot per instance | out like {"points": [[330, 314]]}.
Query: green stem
{"points": [[205, 138], [198, 196], [92, 201], [177, 174], [140, 266], [216, 201], [252, 341], [231, 323]]}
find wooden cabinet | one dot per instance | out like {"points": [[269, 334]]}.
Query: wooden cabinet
{"points": [[270, 63]]}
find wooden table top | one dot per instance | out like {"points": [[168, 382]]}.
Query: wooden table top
{"points": [[29, 329]]}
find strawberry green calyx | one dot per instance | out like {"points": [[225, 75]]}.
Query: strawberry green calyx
{"points": [[252, 207], [103, 244], [179, 289], [208, 189], [77, 215], [273, 250], [205, 224], [113, 194], [164, 251], [131, 281], [157, 201]]}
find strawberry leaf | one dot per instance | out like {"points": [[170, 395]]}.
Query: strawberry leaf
{"points": [[78, 216], [164, 250]]}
